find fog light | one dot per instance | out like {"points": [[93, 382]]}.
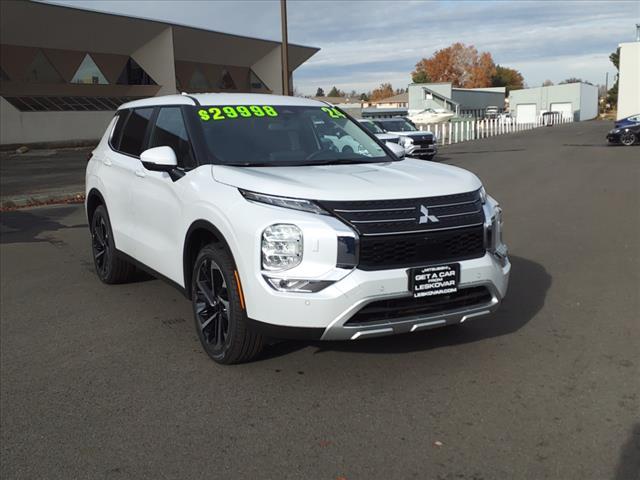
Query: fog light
{"points": [[281, 247], [297, 285]]}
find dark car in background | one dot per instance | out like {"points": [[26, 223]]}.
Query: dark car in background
{"points": [[628, 135], [630, 120]]}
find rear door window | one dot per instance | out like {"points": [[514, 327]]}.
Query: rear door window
{"points": [[133, 135], [170, 131]]}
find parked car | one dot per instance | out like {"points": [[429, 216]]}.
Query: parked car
{"points": [[505, 117], [628, 135], [379, 132], [416, 143], [550, 118], [625, 122], [491, 112], [430, 116], [240, 202]]}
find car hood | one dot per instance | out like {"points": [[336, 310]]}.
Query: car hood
{"points": [[412, 134], [386, 136], [408, 178]]}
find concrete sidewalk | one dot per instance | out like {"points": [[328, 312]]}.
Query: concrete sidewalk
{"points": [[42, 176]]}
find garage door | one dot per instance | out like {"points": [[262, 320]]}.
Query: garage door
{"points": [[526, 113], [564, 108]]}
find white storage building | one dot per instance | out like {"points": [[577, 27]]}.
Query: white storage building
{"points": [[578, 101]]}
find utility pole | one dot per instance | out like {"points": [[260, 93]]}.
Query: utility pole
{"points": [[285, 48]]}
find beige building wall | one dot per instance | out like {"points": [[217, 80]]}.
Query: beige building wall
{"points": [[156, 58], [269, 69], [629, 80], [18, 127]]}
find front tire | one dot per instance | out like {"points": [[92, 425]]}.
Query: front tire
{"points": [[109, 267], [219, 310], [627, 138]]}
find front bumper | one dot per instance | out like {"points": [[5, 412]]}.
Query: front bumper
{"points": [[325, 315], [613, 137], [421, 150]]}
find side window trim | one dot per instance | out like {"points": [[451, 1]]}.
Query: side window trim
{"points": [[145, 140], [122, 117], [152, 125]]}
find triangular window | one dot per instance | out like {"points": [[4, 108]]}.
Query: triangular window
{"points": [[41, 71], [134, 74], [3, 75], [198, 80], [255, 82], [89, 73], [226, 82]]}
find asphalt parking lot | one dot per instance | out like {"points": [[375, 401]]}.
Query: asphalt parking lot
{"points": [[110, 381]]}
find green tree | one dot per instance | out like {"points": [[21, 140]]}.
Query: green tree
{"points": [[507, 77], [334, 92], [420, 76], [612, 95], [319, 92], [572, 80]]}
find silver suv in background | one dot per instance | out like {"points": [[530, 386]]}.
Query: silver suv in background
{"points": [[416, 143]]}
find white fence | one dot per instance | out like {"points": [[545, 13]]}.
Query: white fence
{"points": [[456, 132]]}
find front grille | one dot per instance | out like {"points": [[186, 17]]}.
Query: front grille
{"points": [[395, 217], [419, 249], [423, 141], [401, 308]]}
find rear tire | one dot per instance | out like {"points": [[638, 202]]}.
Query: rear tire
{"points": [[219, 310], [109, 267], [628, 138]]}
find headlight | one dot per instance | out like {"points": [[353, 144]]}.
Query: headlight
{"points": [[496, 245], [615, 130], [281, 247], [406, 141], [483, 195], [284, 202]]}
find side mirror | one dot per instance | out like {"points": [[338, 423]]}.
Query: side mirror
{"points": [[159, 159], [397, 150]]}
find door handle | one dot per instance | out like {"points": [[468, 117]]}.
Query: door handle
{"points": [[140, 173], [107, 162]]}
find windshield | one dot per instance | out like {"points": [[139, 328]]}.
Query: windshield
{"points": [[273, 135], [372, 127], [397, 126]]}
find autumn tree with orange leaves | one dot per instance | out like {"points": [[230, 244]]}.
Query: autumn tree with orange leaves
{"points": [[385, 90], [459, 64]]}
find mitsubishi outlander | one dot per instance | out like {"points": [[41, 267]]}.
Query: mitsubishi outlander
{"points": [[243, 203]]}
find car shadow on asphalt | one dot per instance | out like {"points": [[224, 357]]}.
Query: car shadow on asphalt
{"points": [[629, 461], [528, 289], [29, 226]]}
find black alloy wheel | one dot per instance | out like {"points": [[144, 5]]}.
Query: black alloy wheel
{"points": [[109, 266], [627, 138], [219, 309], [100, 243], [211, 305]]}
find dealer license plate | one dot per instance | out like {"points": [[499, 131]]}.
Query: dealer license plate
{"points": [[435, 280]]}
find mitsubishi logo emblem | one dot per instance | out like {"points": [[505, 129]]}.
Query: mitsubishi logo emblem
{"points": [[425, 217]]}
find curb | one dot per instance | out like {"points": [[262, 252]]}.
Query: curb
{"points": [[26, 201]]}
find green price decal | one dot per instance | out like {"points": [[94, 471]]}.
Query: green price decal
{"points": [[333, 112], [240, 111]]}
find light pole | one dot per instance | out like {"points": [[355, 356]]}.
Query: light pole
{"points": [[285, 48]]}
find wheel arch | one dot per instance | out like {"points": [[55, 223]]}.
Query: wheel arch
{"points": [[199, 234], [94, 200]]}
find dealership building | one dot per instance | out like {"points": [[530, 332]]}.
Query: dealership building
{"points": [[576, 101], [63, 71], [461, 101]]}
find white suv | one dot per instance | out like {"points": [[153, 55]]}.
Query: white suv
{"points": [[244, 204]]}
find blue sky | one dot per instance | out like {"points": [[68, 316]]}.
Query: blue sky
{"points": [[364, 43]]}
